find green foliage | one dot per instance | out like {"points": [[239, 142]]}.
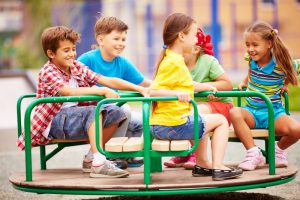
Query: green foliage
{"points": [[294, 96], [37, 17]]}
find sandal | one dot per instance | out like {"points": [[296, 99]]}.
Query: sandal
{"points": [[220, 174], [201, 171]]}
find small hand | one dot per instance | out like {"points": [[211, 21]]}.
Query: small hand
{"points": [[183, 96], [284, 89], [242, 85], [109, 93], [212, 97], [145, 91]]}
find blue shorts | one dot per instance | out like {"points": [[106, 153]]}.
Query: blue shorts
{"points": [[74, 122], [180, 132], [261, 115]]}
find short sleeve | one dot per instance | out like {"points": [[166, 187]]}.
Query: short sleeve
{"points": [[166, 77], [52, 81], [131, 73], [216, 69], [88, 75], [84, 58]]}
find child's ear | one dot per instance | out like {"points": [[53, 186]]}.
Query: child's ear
{"points": [[181, 36], [50, 54], [197, 49], [270, 44], [100, 39]]}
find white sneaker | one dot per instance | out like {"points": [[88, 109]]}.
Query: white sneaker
{"points": [[253, 160]]}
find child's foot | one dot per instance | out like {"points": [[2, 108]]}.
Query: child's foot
{"points": [[191, 162], [135, 162], [280, 157], [201, 171], [176, 161], [253, 160], [222, 174], [87, 164], [106, 170]]}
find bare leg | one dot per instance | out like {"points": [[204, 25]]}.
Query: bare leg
{"points": [[217, 124], [202, 158], [106, 134], [242, 122], [289, 128]]}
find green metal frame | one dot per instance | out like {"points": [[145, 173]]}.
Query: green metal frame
{"points": [[152, 159]]}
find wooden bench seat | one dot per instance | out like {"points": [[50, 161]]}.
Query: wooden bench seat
{"points": [[124, 144]]}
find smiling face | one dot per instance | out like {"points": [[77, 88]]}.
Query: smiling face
{"points": [[259, 49], [64, 56], [112, 44]]}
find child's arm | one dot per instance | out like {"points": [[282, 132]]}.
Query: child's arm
{"points": [[182, 96], [122, 85], [108, 93], [222, 83], [244, 83], [200, 87]]}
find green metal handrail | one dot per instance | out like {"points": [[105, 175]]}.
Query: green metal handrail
{"points": [[146, 128], [146, 106]]}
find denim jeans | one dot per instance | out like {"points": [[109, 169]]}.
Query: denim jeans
{"points": [[180, 132], [132, 126], [74, 122]]}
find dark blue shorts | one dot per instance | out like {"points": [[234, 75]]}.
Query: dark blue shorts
{"points": [[180, 132], [74, 122]]}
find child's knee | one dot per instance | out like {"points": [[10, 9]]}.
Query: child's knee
{"points": [[235, 113], [220, 118], [127, 110]]}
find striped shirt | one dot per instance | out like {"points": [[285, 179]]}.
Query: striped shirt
{"points": [[267, 80]]}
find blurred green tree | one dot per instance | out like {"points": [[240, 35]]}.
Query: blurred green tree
{"points": [[37, 16]]}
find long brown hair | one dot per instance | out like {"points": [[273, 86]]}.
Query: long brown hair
{"points": [[174, 24], [279, 49]]}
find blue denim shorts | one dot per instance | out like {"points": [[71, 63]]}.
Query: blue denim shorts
{"points": [[180, 132], [261, 115], [74, 122]]}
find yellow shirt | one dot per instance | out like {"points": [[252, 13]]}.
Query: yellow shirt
{"points": [[172, 75]]}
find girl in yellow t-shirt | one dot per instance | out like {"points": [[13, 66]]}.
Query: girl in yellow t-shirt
{"points": [[172, 120]]}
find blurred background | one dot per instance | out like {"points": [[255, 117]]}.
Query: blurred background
{"points": [[21, 23]]}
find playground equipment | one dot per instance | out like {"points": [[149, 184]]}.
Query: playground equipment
{"points": [[151, 179]]}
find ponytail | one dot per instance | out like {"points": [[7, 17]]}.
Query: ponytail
{"points": [[284, 60]]}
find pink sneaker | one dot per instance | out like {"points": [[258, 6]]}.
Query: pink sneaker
{"points": [[176, 161], [253, 160], [191, 162], [280, 157]]}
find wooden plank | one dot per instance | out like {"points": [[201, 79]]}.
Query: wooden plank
{"points": [[133, 144], [179, 145], [115, 144], [160, 145], [68, 141], [255, 133]]}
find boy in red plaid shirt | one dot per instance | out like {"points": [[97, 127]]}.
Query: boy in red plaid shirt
{"points": [[62, 75]]}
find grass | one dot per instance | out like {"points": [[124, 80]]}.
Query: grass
{"points": [[294, 97]]}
